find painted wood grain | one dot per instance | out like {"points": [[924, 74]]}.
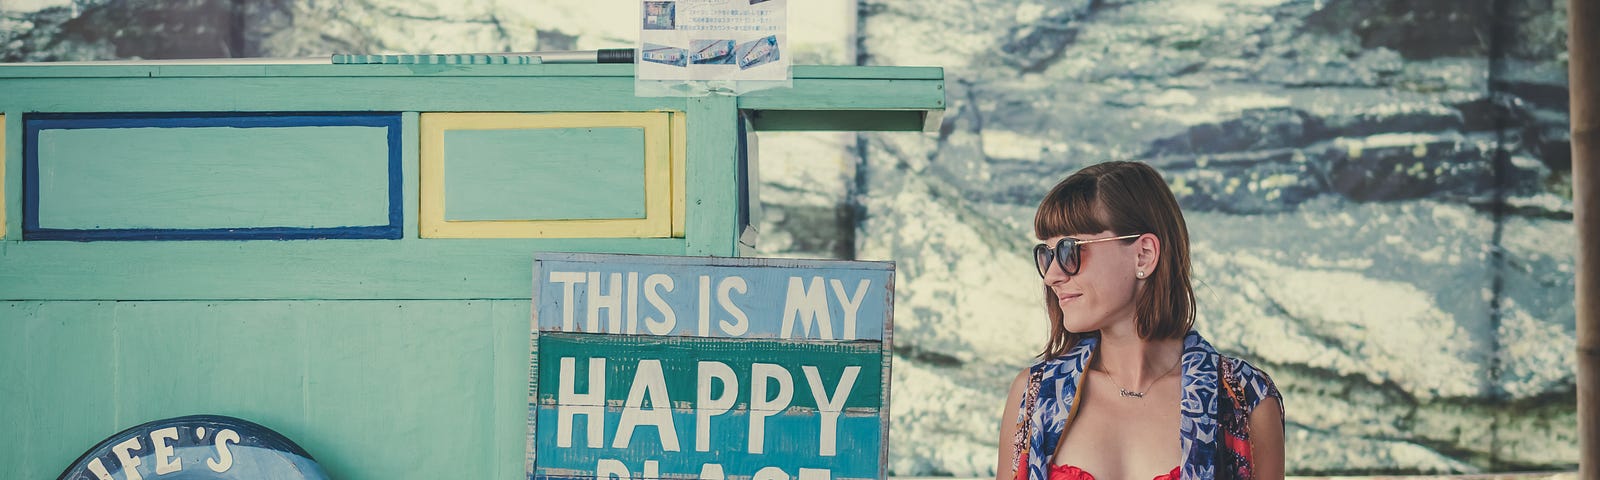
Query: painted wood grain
{"points": [[678, 357], [186, 177], [355, 269], [736, 298], [42, 70], [418, 92], [657, 168], [711, 227], [4, 162], [765, 406], [410, 163], [544, 174], [374, 389]]}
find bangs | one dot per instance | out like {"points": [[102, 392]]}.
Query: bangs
{"points": [[1070, 208]]}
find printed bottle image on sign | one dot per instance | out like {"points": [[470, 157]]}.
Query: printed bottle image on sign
{"points": [[697, 367]]}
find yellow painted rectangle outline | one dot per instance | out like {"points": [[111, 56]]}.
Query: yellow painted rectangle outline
{"points": [[663, 153]]}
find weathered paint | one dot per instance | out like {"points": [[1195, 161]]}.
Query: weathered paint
{"points": [[459, 268], [680, 196], [682, 362], [433, 369], [702, 298], [678, 356], [4, 155], [657, 168], [544, 174], [196, 447], [713, 178], [167, 177], [344, 379]]}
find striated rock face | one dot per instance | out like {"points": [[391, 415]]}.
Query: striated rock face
{"points": [[1377, 192]]}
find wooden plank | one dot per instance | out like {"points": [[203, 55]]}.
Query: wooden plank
{"points": [[99, 177], [240, 359], [658, 401], [680, 160], [657, 221], [410, 163], [350, 94], [511, 371], [711, 229], [420, 373], [639, 371], [344, 269], [57, 373], [849, 95], [695, 297], [344, 379], [4, 155], [48, 70], [544, 174]]}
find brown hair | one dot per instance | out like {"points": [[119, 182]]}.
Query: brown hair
{"points": [[1126, 198]]}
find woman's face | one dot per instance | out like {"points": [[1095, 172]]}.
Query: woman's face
{"points": [[1102, 292]]}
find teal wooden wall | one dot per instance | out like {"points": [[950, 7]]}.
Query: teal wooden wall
{"points": [[384, 358]]}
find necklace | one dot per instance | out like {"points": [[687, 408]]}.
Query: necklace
{"points": [[1139, 394]]}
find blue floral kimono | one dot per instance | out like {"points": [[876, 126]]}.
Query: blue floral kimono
{"points": [[1219, 394]]}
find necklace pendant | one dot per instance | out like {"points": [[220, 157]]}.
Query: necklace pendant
{"points": [[1126, 393]]}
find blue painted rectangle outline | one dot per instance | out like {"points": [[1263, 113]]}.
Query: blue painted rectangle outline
{"points": [[34, 123]]}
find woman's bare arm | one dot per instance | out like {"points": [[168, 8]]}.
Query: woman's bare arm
{"points": [[1008, 428], [1266, 440]]}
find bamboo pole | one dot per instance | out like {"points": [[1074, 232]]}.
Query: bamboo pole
{"points": [[1583, 76]]}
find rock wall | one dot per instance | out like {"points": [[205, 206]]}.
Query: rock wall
{"points": [[1378, 190], [1378, 195]]}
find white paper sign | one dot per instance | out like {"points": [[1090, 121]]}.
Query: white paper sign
{"points": [[705, 46]]}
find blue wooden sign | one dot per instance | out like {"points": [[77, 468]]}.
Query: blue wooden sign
{"points": [[696, 367], [195, 447]]}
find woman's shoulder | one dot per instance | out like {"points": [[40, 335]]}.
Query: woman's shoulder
{"points": [[1247, 382]]}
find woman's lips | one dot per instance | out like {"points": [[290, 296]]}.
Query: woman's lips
{"points": [[1068, 297]]}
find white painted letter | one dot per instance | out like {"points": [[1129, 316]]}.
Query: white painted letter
{"points": [[806, 305], [740, 323], [100, 473], [633, 303], [709, 471], [761, 407], [164, 463], [815, 474], [130, 464], [612, 302], [705, 305], [648, 380], [224, 459], [568, 281], [851, 304], [608, 469], [830, 407], [705, 406], [771, 473], [669, 320], [592, 405]]}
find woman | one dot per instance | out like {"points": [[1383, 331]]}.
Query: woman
{"points": [[1125, 389]]}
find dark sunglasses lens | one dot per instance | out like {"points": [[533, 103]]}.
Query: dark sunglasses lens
{"points": [[1067, 256], [1041, 258]]}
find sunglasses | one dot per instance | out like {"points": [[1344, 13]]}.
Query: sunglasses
{"points": [[1067, 253]]}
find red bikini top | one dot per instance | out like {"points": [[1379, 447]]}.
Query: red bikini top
{"points": [[1069, 472]]}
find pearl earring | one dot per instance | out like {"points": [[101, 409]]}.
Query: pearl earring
{"points": [[1141, 274]]}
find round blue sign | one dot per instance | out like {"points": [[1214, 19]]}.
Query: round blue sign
{"points": [[196, 447]]}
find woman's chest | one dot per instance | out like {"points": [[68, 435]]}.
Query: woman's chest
{"points": [[1116, 437]]}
